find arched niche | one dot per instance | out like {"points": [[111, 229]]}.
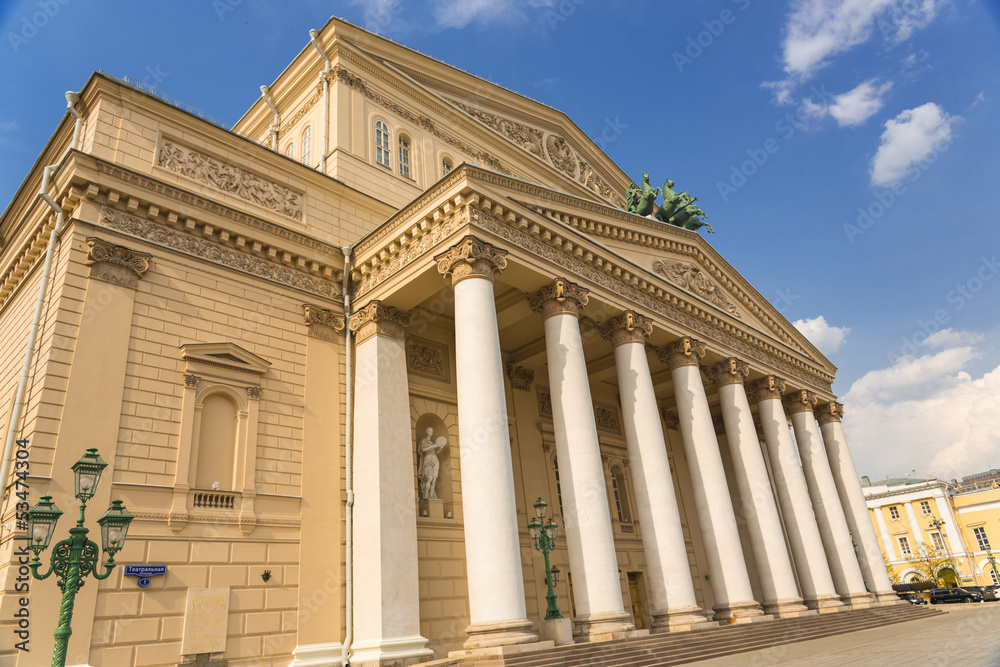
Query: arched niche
{"points": [[444, 484]]}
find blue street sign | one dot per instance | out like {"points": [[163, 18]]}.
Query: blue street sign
{"points": [[143, 582], [144, 572]]}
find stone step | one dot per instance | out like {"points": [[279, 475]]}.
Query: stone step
{"points": [[685, 647]]}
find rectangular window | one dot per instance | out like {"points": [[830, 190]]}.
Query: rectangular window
{"points": [[894, 513], [404, 157], [307, 146], [904, 547], [381, 143], [984, 542], [938, 542], [925, 507]]}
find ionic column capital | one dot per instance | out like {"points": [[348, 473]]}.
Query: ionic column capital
{"points": [[800, 400], [769, 386], [322, 323], [829, 411], [471, 258], [558, 298], [729, 371], [685, 351], [629, 327], [116, 264], [377, 319]]}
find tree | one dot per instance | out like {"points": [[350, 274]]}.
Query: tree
{"points": [[932, 565], [893, 575]]}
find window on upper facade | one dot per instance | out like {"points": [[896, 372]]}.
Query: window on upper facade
{"points": [[984, 542], [404, 157], [894, 513], [925, 507], [938, 542], [618, 490], [446, 166], [904, 547], [555, 468], [290, 151], [307, 146], [381, 143]]}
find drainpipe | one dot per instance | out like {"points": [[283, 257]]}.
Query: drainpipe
{"points": [[274, 126], [29, 348], [326, 98], [348, 481], [71, 100]]}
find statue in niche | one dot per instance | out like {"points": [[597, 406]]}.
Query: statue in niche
{"points": [[430, 466]]}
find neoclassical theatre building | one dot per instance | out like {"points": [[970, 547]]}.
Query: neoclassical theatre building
{"points": [[334, 354]]}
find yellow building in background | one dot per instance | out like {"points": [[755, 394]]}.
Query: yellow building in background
{"points": [[928, 526]]}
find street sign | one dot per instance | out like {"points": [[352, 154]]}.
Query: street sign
{"points": [[144, 572]]}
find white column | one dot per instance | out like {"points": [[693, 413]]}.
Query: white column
{"points": [[386, 596], [800, 521], [915, 528], [845, 475], [492, 547], [671, 592], [833, 527], [726, 565], [890, 550], [590, 542], [774, 568]]}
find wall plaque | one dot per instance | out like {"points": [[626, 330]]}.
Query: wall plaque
{"points": [[206, 618]]}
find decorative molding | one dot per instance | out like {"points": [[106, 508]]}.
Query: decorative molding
{"points": [[560, 297], [671, 419], [770, 386], [116, 264], [427, 358], [801, 400], [376, 319], [253, 392], [561, 155], [191, 380], [629, 327], [691, 278], [342, 75], [230, 179], [544, 401], [217, 254], [593, 182], [606, 418], [226, 355], [685, 351], [729, 371], [520, 377], [304, 109], [526, 137], [471, 258], [323, 323], [829, 411]]}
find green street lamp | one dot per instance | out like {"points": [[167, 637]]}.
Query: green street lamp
{"points": [[76, 557], [543, 533], [993, 564]]}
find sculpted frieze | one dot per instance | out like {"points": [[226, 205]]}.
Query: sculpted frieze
{"points": [[691, 278], [526, 137], [116, 264], [593, 182], [561, 155], [428, 358], [217, 254], [230, 179]]}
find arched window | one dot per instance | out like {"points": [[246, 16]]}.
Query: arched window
{"points": [[381, 143], [290, 150], [446, 166], [306, 146], [621, 499], [216, 443], [993, 576], [404, 156]]}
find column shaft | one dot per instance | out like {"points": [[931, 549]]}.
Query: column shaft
{"points": [[845, 475], [890, 550], [726, 565], [830, 517]]}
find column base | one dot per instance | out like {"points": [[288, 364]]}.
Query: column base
{"points": [[317, 655], [499, 633], [824, 604], [886, 598], [603, 626], [787, 608], [737, 612], [858, 600], [396, 652], [681, 619]]}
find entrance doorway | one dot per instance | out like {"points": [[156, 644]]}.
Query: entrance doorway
{"points": [[634, 587]]}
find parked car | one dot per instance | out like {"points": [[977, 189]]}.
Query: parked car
{"points": [[989, 593], [940, 595], [912, 598]]}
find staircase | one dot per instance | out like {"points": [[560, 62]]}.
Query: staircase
{"points": [[688, 647]]}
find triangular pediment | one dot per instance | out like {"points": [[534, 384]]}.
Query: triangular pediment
{"points": [[228, 356]]}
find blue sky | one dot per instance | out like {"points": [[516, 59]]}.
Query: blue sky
{"points": [[844, 150]]}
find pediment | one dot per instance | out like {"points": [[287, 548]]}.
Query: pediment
{"points": [[227, 356]]}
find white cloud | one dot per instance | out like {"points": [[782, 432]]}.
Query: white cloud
{"points": [[952, 338], [908, 138], [857, 106], [460, 13], [379, 13], [824, 336], [942, 423]]}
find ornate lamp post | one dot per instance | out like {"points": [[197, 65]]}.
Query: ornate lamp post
{"points": [[938, 523], [993, 564], [543, 533], [76, 557]]}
